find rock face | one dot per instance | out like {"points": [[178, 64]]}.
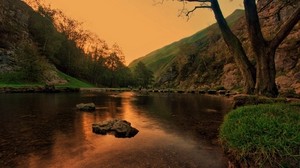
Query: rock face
{"points": [[86, 107], [117, 127]]}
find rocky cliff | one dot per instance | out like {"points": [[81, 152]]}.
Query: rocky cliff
{"points": [[17, 45], [207, 63]]}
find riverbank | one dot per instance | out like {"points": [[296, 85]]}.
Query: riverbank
{"points": [[266, 135], [38, 89]]}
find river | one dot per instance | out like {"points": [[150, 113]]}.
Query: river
{"points": [[175, 130]]}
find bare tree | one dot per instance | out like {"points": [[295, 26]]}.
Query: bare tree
{"points": [[259, 80]]}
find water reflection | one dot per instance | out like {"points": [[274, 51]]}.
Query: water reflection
{"points": [[45, 130]]}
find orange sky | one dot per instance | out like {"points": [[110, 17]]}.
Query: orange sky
{"points": [[139, 26]]}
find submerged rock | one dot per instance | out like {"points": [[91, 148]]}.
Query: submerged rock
{"points": [[86, 107], [117, 127]]}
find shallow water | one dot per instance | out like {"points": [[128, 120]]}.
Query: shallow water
{"points": [[45, 130]]}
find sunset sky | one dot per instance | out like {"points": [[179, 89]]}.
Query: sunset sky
{"points": [[139, 26]]}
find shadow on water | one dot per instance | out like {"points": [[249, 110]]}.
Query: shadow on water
{"points": [[45, 130]]}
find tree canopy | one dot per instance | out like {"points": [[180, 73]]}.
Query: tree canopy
{"points": [[142, 75]]}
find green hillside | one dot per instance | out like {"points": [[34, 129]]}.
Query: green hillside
{"points": [[157, 60], [13, 81]]}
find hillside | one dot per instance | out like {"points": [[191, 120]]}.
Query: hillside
{"points": [[203, 60], [24, 59], [19, 58], [157, 60]]}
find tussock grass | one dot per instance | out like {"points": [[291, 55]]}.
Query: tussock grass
{"points": [[266, 135]]}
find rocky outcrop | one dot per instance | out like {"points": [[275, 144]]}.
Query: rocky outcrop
{"points": [[86, 107], [15, 37], [119, 128]]}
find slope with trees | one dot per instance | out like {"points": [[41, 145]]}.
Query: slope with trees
{"points": [[263, 79], [41, 42], [211, 53]]}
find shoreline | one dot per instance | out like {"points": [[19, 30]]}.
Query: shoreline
{"points": [[38, 89]]}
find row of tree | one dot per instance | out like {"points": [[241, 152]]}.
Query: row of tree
{"points": [[80, 53]]}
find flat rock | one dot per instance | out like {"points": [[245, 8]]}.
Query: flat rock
{"points": [[117, 127], [86, 107]]}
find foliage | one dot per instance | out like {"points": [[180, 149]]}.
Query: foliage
{"points": [[142, 75], [10, 78], [263, 135], [76, 51], [30, 63]]}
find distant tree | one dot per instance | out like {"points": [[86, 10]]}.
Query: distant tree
{"points": [[259, 78], [142, 75]]}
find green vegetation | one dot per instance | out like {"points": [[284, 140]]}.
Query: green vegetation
{"points": [[142, 75], [158, 60], [73, 82], [265, 135], [13, 80], [55, 39]]}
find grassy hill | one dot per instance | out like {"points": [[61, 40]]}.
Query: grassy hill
{"points": [[157, 60]]}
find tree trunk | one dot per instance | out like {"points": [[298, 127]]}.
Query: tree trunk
{"points": [[265, 50], [266, 73], [246, 68]]}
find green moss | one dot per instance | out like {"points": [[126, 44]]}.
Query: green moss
{"points": [[265, 135]]}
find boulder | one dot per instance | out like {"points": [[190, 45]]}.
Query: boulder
{"points": [[86, 107], [119, 128]]}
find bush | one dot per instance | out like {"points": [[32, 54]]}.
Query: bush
{"points": [[266, 135], [31, 63], [11, 77]]}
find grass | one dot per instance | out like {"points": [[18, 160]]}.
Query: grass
{"points": [[73, 82], [266, 135], [13, 80]]}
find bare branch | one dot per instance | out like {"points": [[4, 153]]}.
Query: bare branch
{"points": [[197, 7], [160, 2], [286, 29], [196, 0]]}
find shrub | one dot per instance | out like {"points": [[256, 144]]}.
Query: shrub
{"points": [[266, 135]]}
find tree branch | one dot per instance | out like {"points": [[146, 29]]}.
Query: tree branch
{"points": [[196, 0], [286, 29], [197, 7], [253, 25]]}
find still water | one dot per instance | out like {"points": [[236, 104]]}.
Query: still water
{"points": [[176, 130]]}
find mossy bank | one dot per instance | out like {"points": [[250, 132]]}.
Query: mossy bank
{"points": [[266, 135]]}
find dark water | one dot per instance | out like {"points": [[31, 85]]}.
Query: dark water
{"points": [[45, 130]]}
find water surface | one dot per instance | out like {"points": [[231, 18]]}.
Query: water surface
{"points": [[45, 130]]}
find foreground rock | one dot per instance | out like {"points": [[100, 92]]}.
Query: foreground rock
{"points": [[117, 127], [86, 107]]}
